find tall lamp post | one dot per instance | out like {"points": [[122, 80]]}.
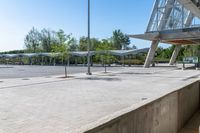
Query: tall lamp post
{"points": [[88, 46]]}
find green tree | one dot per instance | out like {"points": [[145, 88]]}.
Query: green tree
{"points": [[83, 43], [63, 47], [120, 40], [61, 37], [73, 45], [62, 44], [164, 54], [94, 43], [47, 39], [192, 50], [105, 46], [32, 40]]}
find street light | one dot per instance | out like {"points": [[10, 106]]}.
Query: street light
{"points": [[88, 46]]}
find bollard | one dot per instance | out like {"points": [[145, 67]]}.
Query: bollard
{"points": [[183, 68]]}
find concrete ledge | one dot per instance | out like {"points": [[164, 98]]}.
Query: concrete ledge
{"points": [[166, 115]]}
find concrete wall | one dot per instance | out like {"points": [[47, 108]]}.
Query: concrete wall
{"points": [[188, 103], [165, 115]]}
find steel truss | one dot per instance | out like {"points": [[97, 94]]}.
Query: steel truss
{"points": [[169, 15]]}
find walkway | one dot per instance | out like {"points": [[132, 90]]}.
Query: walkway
{"points": [[56, 105]]}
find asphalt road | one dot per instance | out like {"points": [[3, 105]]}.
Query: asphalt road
{"points": [[17, 71]]}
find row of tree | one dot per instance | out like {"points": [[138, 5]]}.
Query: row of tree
{"points": [[48, 40], [57, 41], [164, 54]]}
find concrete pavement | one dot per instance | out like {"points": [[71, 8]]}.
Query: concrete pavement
{"points": [[57, 105], [26, 71]]}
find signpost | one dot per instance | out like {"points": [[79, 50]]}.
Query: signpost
{"points": [[190, 60]]}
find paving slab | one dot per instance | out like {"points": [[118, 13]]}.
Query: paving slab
{"points": [[57, 105]]}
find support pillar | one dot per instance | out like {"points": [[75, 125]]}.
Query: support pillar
{"points": [[83, 61], [30, 61], [68, 61], [123, 61], [42, 61], [151, 53], [175, 55], [54, 61], [76, 62]]}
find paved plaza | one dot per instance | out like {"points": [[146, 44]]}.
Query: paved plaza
{"points": [[20, 71], [56, 105]]}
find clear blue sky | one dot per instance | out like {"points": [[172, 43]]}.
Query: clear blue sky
{"points": [[19, 16]]}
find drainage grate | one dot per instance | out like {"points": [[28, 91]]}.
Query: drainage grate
{"points": [[103, 79], [26, 79], [144, 99]]}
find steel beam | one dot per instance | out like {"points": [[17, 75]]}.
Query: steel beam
{"points": [[152, 15], [191, 5]]}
